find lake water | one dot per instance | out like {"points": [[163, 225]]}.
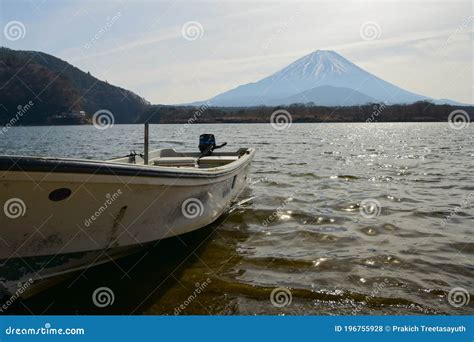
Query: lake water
{"points": [[340, 219]]}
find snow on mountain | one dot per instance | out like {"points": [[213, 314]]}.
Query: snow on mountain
{"points": [[319, 68]]}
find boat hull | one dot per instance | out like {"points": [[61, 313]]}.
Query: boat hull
{"points": [[58, 222]]}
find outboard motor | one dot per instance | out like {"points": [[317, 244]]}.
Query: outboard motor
{"points": [[207, 144]]}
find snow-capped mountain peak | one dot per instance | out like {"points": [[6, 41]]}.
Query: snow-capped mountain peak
{"points": [[320, 68], [315, 64]]}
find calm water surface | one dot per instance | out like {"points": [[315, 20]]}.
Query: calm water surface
{"points": [[301, 227]]}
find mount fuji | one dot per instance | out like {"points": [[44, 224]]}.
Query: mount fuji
{"points": [[322, 77]]}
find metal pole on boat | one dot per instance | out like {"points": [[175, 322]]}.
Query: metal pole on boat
{"points": [[145, 152]]}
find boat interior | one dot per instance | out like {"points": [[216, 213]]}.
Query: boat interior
{"points": [[172, 158]]}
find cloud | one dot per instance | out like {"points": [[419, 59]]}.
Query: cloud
{"points": [[422, 44]]}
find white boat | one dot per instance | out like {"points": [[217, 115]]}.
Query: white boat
{"points": [[64, 215]]}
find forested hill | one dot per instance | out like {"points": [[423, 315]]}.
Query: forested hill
{"points": [[56, 87]]}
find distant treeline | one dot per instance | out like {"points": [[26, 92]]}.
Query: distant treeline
{"points": [[376, 112]]}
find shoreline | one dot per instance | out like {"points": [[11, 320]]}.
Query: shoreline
{"points": [[233, 123]]}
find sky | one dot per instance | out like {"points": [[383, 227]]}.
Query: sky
{"points": [[174, 52]]}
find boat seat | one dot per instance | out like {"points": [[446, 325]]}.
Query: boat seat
{"points": [[218, 160], [175, 161]]}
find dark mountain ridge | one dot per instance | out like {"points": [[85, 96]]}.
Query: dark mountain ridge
{"points": [[56, 87]]}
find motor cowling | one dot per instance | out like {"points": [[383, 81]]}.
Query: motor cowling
{"points": [[207, 144]]}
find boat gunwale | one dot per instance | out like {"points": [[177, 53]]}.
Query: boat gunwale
{"points": [[86, 166]]}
